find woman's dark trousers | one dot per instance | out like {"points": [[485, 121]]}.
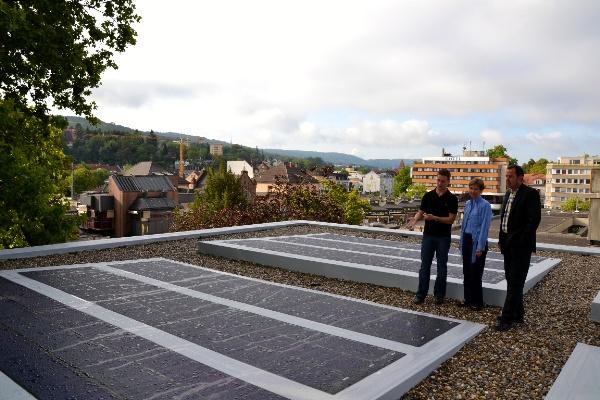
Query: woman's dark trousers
{"points": [[473, 272]]}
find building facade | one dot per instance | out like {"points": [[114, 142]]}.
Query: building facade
{"points": [[377, 183], [236, 168], [569, 177], [216, 149], [472, 164], [538, 182], [285, 173]]}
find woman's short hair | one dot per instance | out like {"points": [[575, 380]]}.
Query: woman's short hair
{"points": [[477, 182]]}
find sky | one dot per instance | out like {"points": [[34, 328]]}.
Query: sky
{"points": [[377, 79]]}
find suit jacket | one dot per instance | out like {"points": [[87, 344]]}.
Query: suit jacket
{"points": [[523, 221]]}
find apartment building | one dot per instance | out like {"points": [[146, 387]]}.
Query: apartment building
{"points": [[381, 183], [216, 149], [472, 164], [569, 177]]}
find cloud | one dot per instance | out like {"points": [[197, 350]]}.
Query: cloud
{"points": [[402, 77], [492, 137], [136, 94], [554, 141]]}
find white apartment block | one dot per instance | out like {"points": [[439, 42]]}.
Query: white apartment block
{"points": [[569, 177], [373, 182]]}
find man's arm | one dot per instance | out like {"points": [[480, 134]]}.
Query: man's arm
{"points": [[413, 221], [534, 212], [444, 220]]}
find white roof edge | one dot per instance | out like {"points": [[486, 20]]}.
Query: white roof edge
{"points": [[74, 247]]}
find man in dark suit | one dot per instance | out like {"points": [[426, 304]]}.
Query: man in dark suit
{"points": [[520, 217]]}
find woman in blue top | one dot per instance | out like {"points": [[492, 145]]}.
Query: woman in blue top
{"points": [[473, 243]]}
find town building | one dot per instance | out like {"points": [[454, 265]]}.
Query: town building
{"points": [[569, 177], [248, 185], [538, 182], [132, 205], [151, 168], [472, 164], [216, 149], [283, 173], [381, 183], [236, 168], [143, 204]]}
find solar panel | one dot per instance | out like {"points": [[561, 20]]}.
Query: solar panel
{"points": [[382, 262], [151, 327]]}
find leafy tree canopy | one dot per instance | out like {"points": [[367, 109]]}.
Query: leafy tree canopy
{"points": [[500, 151], [83, 178], [416, 191], [535, 167], [222, 190], [575, 203], [55, 51], [402, 181], [32, 180]]}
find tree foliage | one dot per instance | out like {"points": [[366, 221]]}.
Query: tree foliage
{"points": [[355, 208], [286, 202], [83, 179], [500, 151], [55, 51], [416, 191], [535, 167], [32, 180], [402, 181], [222, 190], [575, 203]]}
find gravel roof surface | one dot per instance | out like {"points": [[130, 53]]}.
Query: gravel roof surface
{"points": [[522, 363]]}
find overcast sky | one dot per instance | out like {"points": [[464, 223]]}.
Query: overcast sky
{"points": [[378, 79]]}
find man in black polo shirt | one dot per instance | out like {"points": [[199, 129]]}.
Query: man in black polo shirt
{"points": [[438, 209]]}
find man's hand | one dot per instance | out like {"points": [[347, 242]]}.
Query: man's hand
{"points": [[478, 253], [429, 217]]}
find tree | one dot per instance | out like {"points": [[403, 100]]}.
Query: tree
{"points": [[535, 167], [32, 180], [85, 179], [500, 151], [416, 191], [575, 203], [355, 208], [55, 51], [402, 181], [222, 190]]}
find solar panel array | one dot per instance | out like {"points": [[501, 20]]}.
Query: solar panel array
{"points": [[164, 329], [342, 256]]}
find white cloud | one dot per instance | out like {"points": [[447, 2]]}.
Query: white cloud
{"points": [[492, 137], [554, 141], [414, 73]]}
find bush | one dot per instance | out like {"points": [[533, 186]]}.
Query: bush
{"points": [[286, 202]]}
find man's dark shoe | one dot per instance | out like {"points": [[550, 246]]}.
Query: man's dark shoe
{"points": [[503, 326], [439, 300], [418, 300], [463, 305], [476, 308]]}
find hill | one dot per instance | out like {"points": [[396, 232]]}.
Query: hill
{"points": [[328, 157], [341, 158], [112, 127]]}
